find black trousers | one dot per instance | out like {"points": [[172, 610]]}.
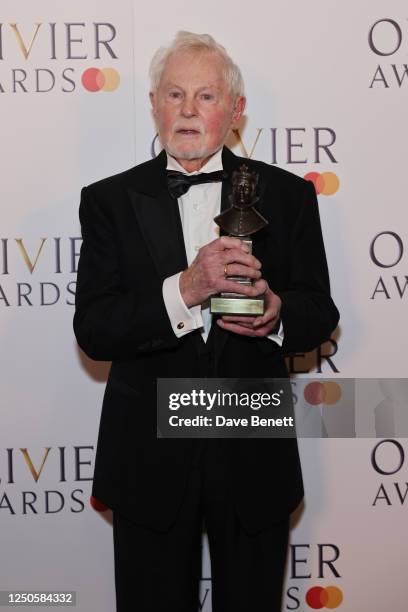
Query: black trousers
{"points": [[160, 572]]}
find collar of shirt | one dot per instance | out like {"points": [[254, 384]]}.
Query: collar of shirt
{"points": [[213, 164]]}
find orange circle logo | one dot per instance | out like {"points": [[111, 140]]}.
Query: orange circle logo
{"points": [[325, 183], [319, 597], [107, 79], [316, 393]]}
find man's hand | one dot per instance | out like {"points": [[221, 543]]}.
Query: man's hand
{"points": [[206, 275], [257, 327]]}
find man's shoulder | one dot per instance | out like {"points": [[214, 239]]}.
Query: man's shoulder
{"points": [[274, 174], [131, 177]]}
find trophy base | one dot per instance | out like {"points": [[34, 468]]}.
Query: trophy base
{"points": [[237, 305]]}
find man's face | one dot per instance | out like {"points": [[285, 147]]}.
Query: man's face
{"points": [[193, 108]]}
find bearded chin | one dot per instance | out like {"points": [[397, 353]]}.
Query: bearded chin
{"points": [[185, 152], [188, 154]]}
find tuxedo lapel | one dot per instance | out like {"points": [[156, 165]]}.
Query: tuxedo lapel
{"points": [[158, 216], [159, 221]]}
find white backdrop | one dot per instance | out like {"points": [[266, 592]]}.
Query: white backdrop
{"points": [[326, 73]]}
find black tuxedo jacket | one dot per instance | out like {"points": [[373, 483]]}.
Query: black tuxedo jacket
{"points": [[132, 241]]}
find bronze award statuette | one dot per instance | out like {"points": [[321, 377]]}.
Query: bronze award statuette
{"points": [[240, 221]]}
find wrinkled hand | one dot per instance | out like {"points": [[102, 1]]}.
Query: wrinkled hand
{"points": [[206, 275], [257, 327]]}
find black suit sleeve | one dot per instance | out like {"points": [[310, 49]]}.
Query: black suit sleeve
{"points": [[112, 321], [308, 313]]}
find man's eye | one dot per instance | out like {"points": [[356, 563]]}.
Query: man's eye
{"points": [[175, 94], [207, 96]]}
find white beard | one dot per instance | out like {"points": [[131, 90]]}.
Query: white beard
{"points": [[201, 153]]}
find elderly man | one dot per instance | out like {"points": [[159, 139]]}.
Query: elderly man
{"points": [[151, 257]]}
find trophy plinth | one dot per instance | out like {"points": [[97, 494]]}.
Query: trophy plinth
{"points": [[241, 221]]}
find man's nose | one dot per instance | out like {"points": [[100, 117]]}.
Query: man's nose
{"points": [[188, 108]]}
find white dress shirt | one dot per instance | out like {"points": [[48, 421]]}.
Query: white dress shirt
{"points": [[197, 207]]}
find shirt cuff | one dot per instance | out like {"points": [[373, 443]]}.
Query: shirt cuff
{"points": [[278, 338], [183, 320]]}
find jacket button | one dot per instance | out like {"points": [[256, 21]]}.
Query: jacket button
{"points": [[180, 325]]}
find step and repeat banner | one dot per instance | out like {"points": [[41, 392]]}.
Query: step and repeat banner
{"points": [[327, 87]]}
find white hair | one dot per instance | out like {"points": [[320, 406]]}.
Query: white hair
{"points": [[189, 41]]}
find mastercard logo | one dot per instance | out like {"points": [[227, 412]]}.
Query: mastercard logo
{"points": [[316, 393], [324, 597], [106, 79], [325, 183], [97, 505]]}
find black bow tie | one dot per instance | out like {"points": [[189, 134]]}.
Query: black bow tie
{"points": [[179, 183]]}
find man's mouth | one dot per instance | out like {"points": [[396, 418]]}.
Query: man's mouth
{"points": [[188, 132]]}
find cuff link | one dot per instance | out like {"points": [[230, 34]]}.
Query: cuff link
{"points": [[180, 325]]}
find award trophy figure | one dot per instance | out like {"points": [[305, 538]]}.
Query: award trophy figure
{"points": [[240, 221]]}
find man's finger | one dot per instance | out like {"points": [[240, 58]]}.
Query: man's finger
{"points": [[236, 328], [238, 269], [267, 316], [230, 286], [227, 242], [231, 256], [239, 319]]}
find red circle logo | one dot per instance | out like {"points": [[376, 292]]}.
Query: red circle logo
{"points": [[316, 393], [324, 597], [106, 79], [325, 183]]}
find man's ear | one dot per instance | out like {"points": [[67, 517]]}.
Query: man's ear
{"points": [[152, 100], [239, 108]]}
